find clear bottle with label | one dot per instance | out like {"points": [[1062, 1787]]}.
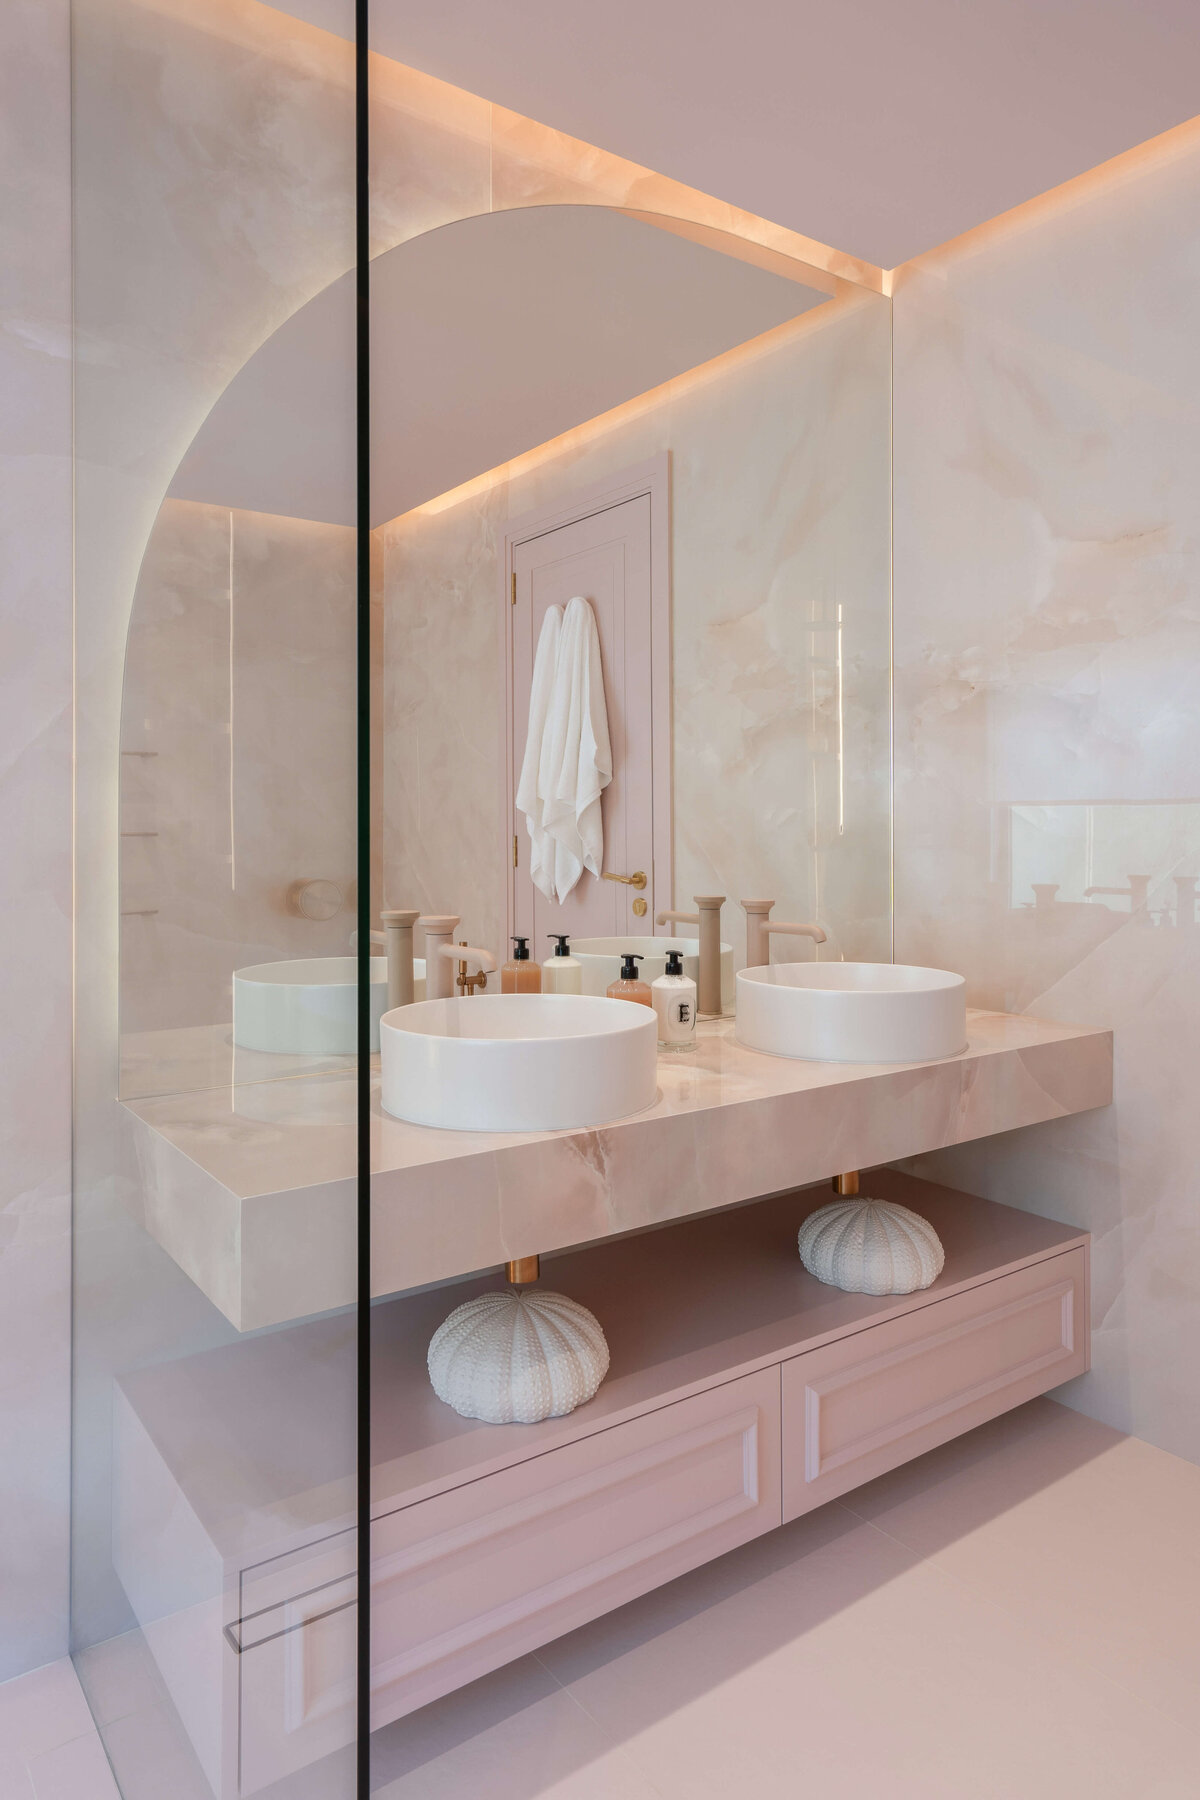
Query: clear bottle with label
{"points": [[519, 974], [629, 985], [675, 1004], [561, 973]]}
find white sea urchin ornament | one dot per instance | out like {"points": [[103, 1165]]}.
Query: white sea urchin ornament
{"points": [[870, 1247], [513, 1358]]}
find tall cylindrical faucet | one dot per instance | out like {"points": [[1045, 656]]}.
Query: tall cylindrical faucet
{"points": [[398, 930], [439, 975], [707, 921], [760, 925]]}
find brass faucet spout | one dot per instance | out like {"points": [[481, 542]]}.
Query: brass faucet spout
{"points": [[459, 953]]}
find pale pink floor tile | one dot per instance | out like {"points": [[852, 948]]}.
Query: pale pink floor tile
{"points": [[75, 1771], [1099, 1553], [41, 1710], [153, 1758], [118, 1677], [514, 1735], [868, 1674], [962, 1485], [729, 1615], [15, 1783]]}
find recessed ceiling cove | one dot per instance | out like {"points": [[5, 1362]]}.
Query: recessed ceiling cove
{"points": [[489, 337], [882, 129]]}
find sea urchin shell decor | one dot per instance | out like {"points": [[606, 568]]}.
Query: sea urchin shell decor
{"points": [[514, 1358], [870, 1247]]}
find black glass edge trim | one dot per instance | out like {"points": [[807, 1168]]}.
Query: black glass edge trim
{"points": [[362, 400]]}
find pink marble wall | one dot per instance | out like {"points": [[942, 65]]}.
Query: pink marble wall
{"points": [[35, 830], [214, 184], [237, 757], [779, 522], [1047, 642]]}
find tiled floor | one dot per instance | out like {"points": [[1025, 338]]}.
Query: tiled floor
{"points": [[49, 1749], [1014, 1617]]}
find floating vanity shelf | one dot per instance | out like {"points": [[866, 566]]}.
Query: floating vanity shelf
{"points": [[251, 1187], [741, 1394]]}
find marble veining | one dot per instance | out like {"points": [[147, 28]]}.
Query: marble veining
{"points": [[252, 1188], [237, 758], [1047, 454], [780, 640]]}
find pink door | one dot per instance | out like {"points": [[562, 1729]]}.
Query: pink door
{"points": [[605, 557]]}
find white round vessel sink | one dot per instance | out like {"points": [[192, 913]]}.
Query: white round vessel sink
{"points": [[308, 1007], [518, 1062], [600, 960], [852, 1012]]}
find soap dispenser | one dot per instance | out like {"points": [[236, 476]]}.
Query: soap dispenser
{"points": [[674, 996], [629, 985], [519, 975], [561, 974]]}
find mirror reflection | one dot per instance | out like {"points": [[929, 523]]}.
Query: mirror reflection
{"points": [[653, 456]]}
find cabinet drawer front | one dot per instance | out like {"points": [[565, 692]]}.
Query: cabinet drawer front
{"points": [[869, 1402], [296, 1649], [481, 1574]]}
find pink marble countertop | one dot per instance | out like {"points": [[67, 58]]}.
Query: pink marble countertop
{"points": [[251, 1188]]}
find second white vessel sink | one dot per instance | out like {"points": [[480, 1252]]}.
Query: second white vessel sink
{"points": [[309, 1006], [852, 1012], [518, 1062]]}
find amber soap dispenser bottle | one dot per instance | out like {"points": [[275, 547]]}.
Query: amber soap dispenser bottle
{"points": [[629, 985], [521, 975]]}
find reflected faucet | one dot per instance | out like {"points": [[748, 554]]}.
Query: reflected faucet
{"points": [[1137, 893], [466, 984], [759, 927], [398, 941], [441, 951]]}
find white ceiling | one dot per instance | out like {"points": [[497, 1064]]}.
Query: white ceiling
{"points": [[489, 337], [881, 127]]}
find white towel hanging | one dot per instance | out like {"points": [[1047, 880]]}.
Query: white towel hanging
{"points": [[529, 800], [576, 757]]}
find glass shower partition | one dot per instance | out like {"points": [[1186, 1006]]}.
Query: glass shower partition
{"points": [[588, 384], [216, 1135]]}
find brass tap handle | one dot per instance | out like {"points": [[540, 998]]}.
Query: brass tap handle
{"points": [[637, 879], [467, 984]]}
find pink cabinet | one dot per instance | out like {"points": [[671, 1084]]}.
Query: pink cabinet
{"points": [[743, 1392], [865, 1403], [485, 1572], [296, 1666]]}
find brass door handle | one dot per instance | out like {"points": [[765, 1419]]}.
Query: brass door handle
{"points": [[637, 879]]}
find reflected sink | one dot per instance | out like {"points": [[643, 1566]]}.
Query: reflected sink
{"points": [[518, 1062], [600, 959], [308, 1007], [852, 1012]]}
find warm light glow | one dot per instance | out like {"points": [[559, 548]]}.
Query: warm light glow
{"points": [[586, 433], [1181, 140]]}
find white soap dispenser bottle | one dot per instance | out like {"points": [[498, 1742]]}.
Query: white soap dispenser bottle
{"points": [[675, 1004], [561, 973]]}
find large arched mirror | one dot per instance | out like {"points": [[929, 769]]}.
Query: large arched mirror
{"points": [[533, 369]]}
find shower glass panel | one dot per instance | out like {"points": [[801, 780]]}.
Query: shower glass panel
{"points": [[215, 1358], [586, 381]]}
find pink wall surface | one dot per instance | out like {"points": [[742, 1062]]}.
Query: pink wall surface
{"points": [[1047, 639], [35, 830]]}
